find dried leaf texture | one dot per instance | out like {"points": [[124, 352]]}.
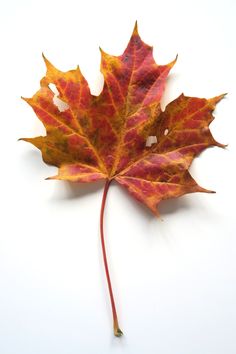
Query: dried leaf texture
{"points": [[104, 137]]}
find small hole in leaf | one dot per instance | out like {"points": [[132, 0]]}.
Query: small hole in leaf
{"points": [[166, 131], [62, 106], [151, 140], [54, 89]]}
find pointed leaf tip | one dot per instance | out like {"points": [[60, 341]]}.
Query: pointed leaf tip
{"points": [[50, 178], [101, 50], [135, 30], [25, 99], [45, 59], [204, 190], [103, 53], [220, 97], [217, 99], [172, 63], [47, 63], [157, 213]]}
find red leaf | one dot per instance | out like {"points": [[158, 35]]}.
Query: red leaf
{"points": [[104, 137]]}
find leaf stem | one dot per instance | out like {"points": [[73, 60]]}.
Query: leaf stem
{"points": [[117, 330]]}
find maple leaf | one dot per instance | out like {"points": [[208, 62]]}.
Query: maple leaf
{"points": [[105, 136]]}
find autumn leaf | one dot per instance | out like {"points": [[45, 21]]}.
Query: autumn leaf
{"points": [[105, 136]]}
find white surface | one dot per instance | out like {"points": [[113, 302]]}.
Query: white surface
{"points": [[174, 280]]}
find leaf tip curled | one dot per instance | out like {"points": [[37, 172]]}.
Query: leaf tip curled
{"points": [[172, 63], [223, 146], [46, 61]]}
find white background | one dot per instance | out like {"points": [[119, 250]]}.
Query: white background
{"points": [[174, 279]]}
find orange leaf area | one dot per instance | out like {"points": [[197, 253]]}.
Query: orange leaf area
{"points": [[105, 136]]}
